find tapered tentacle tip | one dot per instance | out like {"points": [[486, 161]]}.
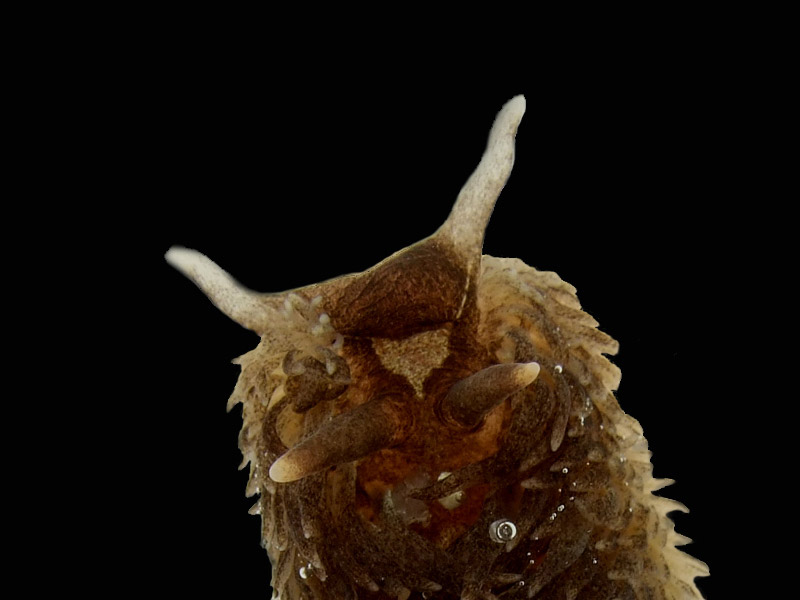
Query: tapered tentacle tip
{"points": [[196, 266], [513, 110], [527, 373], [181, 258], [505, 126], [286, 469]]}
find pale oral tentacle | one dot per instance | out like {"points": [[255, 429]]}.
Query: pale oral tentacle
{"points": [[469, 400], [377, 424]]}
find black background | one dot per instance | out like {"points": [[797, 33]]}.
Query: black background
{"points": [[284, 184]]}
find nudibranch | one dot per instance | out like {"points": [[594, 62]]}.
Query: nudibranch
{"points": [[444, 425]]}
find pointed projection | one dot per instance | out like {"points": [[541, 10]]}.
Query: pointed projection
{"points": [[464, 228], [249, 309], [379, 423], [469, 400], [432, 276]]}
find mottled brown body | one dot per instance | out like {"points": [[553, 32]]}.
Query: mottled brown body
{"points": [[444, 426]]}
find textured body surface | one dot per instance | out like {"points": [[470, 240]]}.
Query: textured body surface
{"points": [[443, 425]]}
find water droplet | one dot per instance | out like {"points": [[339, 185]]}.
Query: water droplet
{"points": [[559, 369], [502, 531], [565, 470]]}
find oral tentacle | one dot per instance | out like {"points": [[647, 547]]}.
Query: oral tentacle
{"points": [[377, 424], [470, 400]]}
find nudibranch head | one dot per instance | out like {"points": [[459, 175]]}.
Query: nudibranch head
{"points": [[443, 425]]}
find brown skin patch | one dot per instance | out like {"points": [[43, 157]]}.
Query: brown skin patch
{"points": [[407, 293]]}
